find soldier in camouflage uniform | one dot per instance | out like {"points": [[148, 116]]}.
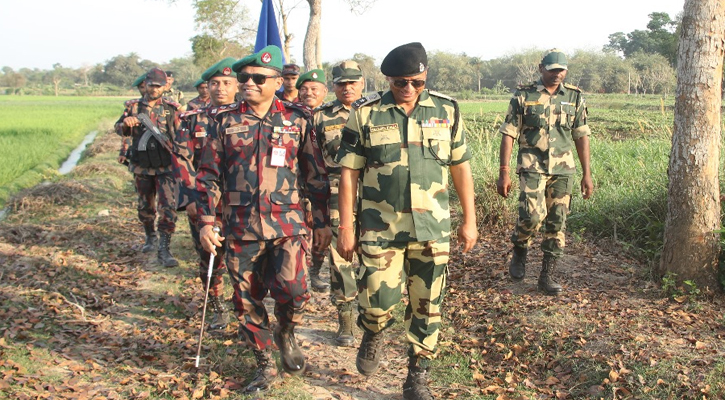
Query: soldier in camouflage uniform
{"points": [[330, 118], [152, 166], [174, 94], [289, 91], [255, 159], [187, 152], [548, 118], [140, 84], [202, 100], [403, 143]]}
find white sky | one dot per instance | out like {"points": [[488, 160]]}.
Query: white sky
{"points": [[40, 33]]}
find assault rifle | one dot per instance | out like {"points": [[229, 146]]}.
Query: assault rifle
{"points": [[151, 131]]}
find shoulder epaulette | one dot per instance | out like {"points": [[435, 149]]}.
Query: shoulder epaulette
{"points": [[526, 86], [171, 102], [572, 87], [131, 102], [441, 95], [298, 106], [214, 111], [189, 113], [369, 99], [326, 105]]}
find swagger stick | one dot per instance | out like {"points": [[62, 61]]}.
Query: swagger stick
{"points": [[206, 298]]}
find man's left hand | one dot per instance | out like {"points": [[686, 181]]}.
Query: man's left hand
{"points": [[587, 187]]}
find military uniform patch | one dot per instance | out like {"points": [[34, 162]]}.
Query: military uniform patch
{"points": [[236, 129], [369, 99], [334, 127], [382, 128]]}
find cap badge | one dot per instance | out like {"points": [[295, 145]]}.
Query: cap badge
{"points": [[266, 58], [227, 71], [422, 67], [314, 75], [287, 123]]}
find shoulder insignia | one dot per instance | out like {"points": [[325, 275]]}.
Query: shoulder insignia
{"points": [[214, 111], [171, 102], [441, 95], [189, 113], [131, 102], [298, 106], [367, 100], [526, 87], [326, 105], [572, 87]]}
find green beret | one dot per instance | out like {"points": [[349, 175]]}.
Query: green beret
{"points": [[554, 59], [139, 81], [198, 82], [406, 60], [268, 57], [221, 68], [314, 75]]}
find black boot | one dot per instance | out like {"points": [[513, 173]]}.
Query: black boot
{"points": [[517, 268], [164, 255], [546, 278], [293, 361], [318, 285], [416, 385], [151, 239], [345, 336], [266, 372], [221, 317], [368, 355]]}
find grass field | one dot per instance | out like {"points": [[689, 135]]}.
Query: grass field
{"points": [[37, 133]]}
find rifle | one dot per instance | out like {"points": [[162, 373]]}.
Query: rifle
{"points": [[151, 130]]}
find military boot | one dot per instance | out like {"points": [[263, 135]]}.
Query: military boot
{"points": [[517, 268], [318, 285], [266, 372], [345, 336], [416, 385], [368, 355], [546, 278], [151, 239], [164, 254], [293, 361], [221, 317]]}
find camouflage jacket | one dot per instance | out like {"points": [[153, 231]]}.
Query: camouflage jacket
{"points": [[405, 162], [187, 151], [546, 127], [158, 115], [175, 95], [257, 167], [329, 120], [196, 102]]}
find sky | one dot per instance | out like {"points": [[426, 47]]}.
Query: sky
{"points": [[75, 33]]}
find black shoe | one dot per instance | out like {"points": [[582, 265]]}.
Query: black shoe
{"points": [[368, 355], [151, 239], [517, 268], [266, 373], [416, 385], [221, 316], [316, 282], [293, 361], [546, 278], [164, 254], [345, 336]]}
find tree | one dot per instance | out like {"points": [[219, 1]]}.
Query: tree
{"points": [[123, 70], [660, 38], [225, 31], [691, 241], [449, 72], [13, 80]]}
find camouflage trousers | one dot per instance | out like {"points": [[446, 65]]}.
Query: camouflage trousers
{"points": [[276, 267], [426, 266], [343, 274], [216, 287], [543, 200], [153, 188]]}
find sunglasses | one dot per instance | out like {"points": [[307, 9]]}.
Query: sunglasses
{"points": [[259, 79], [401, 83]]}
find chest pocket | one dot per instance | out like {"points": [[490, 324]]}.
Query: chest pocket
{"points": [[385, 144], [333, 137], [239, 141], [566, 114], [289, 141], [437, 144], [534, 116]]}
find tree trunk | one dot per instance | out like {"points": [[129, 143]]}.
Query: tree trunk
{"points": [[312, 37], [287, 36], [56, 84], [691, 245]]}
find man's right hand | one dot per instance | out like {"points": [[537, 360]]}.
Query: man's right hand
{"points": [[209, 239], [503, 186], [131, 122], [346, 243]]}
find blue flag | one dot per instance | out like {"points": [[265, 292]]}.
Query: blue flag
{"points": [[267, 31]]}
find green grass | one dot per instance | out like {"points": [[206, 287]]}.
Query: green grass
{"points": [[38, 132]]}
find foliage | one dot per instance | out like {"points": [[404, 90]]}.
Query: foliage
{"points": [[226, 31], [660, 38]]}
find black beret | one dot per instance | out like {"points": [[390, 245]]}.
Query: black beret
{"points": [[406, 60]]}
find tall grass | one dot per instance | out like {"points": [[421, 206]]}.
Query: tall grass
{"points": [[38, 132]]}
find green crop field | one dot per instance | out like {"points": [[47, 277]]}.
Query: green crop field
{"points": [[37, 133]]}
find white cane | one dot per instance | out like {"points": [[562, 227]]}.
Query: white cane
{"points": [[206, 298]]}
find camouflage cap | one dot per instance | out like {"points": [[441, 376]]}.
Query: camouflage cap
{"points": [[346, 71], [220, 68], [156, 76], [268, 57], [406, 60], [314, 75], [199, 82], [554, 59], [290, 69], [139, 81]]}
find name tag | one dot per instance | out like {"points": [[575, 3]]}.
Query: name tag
{"points": [[380, 128], [334, 127], [279, 154], [236, 129], [200, 134]]}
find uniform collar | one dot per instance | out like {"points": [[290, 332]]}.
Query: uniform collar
{"points": [[541, 88], [388, 101], [277, 106]]}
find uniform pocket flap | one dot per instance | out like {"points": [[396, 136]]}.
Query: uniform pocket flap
{"points": [[237, 198], [290, 196], [443, 134]]}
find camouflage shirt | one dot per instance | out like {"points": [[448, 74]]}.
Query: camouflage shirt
{"points": [[546, 127], [196, 102], [175, 95], [187, 151], [329, 120], [259, 167], [405, 164], [158, 115]]}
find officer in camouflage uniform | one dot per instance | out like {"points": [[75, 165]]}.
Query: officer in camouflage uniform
{"points": [[548, 118], [187, 152], [255, 159], [330, 118], [152, 166], [403, 143], [174, 94], [140, 84], [202, 100]]}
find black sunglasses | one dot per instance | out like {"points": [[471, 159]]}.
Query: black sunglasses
{"points": [[259, 79], [401, 83]]}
